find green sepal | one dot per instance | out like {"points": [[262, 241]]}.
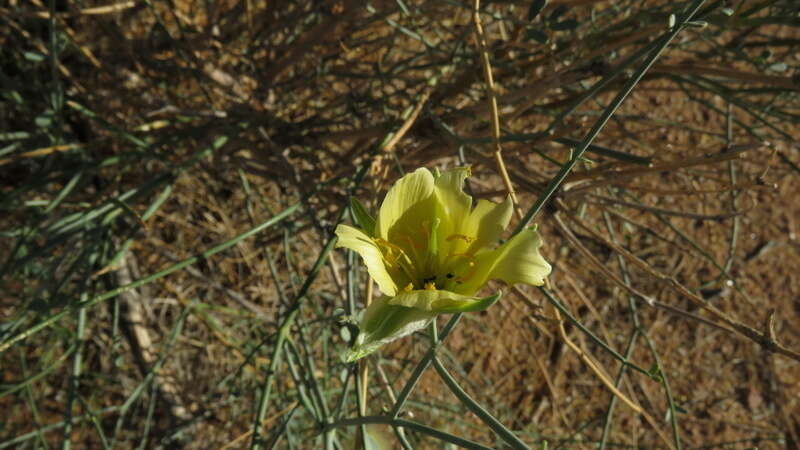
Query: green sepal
{"points": [[388, 319], [440, 301], [362, 217], [479, 305], [383, 323]]}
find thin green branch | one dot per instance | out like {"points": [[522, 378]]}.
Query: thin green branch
{"points": [[504, 433], [558, 305], [5, 345], [557, 180], [294, 309], [422, 365]]}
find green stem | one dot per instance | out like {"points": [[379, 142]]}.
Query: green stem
{"points": [[148, 279], [14, 442], [554, 301], [388, 420], [613, 403], [151, 375], [421, 366], [556, 181], [673, 419], [504, 433], [16, 386], [77, 363], [283, 333], [299, 300]]}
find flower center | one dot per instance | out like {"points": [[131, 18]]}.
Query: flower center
{"points": [[416, 261], [395, 258]]}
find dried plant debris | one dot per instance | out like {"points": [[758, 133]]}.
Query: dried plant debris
{"points": [[172, 176]]}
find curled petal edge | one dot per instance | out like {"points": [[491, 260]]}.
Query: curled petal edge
{"points": [[362, 244]]}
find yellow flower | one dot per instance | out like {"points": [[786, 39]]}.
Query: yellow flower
{"points": [[430, 252]]}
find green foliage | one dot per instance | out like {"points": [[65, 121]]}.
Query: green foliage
{"points": [[362, 217], [171, 175]]}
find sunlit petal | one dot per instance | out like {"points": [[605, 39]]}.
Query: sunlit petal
{"points": [[487, 222], [516, 261], [407, 205], [360, 243], [454, 205]]}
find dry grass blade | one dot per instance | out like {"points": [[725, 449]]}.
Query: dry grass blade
{"points": [[766, 339], [218, 145], [480, 39]]}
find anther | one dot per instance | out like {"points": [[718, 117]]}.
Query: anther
{"points": [[412, 242]]}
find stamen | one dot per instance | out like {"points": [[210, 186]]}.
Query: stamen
{"points": [[395, 258], [412, 242], [426, 224], [387, 244], [430, 286], [409, 287]]}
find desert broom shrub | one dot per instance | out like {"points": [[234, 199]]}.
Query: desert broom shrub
{"points": [[173, 175]]}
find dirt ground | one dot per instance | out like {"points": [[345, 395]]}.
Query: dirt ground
{"points": [[690, 201]]}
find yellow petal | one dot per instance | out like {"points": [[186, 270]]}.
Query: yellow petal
{"points": [[359, 242], [454, 205], [407, 205], [487, 222], [516, 261]]}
